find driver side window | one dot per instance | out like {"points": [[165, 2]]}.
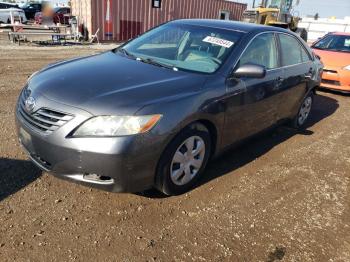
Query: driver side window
{"points": [[261, 51]]}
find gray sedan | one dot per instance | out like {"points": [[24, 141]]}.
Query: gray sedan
{"points": [[152, 112]]}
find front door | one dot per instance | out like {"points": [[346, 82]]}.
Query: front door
{"points": [[251, 104]]}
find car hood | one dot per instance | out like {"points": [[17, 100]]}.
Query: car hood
{"points": [[110, 83], [333, 58]]}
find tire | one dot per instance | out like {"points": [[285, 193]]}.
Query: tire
{"points": [[304, 111], [302, 33], [174, 178]]}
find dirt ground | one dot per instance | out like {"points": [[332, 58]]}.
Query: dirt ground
{"points": [[284, 196]]}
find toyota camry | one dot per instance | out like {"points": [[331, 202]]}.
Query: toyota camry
{"points": [[154, 111]]}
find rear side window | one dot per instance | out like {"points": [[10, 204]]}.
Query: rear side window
{"points": [[262, 51], [292, 51]]}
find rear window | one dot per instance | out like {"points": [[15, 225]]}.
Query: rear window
{"points": [[292, 51]]}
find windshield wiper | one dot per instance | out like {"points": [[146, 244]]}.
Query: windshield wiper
{"points": [[342, 50], [316, 47], [146, 60], [127, 53], [156, 63], [337, 50]]}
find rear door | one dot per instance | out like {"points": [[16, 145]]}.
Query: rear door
{"points": [[299, 70], [252, 103]]}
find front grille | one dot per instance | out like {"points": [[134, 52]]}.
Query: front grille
{"points": [[331, 82], [250, 13], [250, 16], [43, 120]]}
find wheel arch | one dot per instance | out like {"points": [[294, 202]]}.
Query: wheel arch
{"points": [[197, 124], [212, 131]]}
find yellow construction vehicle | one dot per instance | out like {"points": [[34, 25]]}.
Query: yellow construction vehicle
{"points": [[275, 13]]}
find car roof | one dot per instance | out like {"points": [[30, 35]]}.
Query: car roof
{"points": [[7, 3], [29, 3], [340, 33], [17, 9], [230, 25]]}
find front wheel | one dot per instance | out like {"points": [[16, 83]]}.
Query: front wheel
{"points": [[304, 111], [184, 160]]}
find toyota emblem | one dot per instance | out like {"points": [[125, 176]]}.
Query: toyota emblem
{"points": [[30, 104]]}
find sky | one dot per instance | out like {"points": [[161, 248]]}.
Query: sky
{"points": [[325, 8]]}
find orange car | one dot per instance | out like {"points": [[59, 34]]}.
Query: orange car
{"points": [[334, 50]]}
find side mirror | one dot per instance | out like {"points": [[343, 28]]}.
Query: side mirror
{"points": [[250, 71]]}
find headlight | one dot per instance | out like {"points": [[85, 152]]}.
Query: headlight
{"points": [[108, 126], [347, 68]]}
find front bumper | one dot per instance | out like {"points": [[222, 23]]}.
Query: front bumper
{"points": [[129, 163], [336, 79]]}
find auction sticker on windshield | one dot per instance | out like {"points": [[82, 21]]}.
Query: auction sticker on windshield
{"points": [[218, 41]]}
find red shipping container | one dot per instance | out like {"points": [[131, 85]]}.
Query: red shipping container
{"points": [[129, 18]]}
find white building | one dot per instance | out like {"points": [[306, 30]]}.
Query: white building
{"points": [[320, 27]]}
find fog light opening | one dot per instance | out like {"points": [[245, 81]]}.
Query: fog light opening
{"points": [[96, 177]]}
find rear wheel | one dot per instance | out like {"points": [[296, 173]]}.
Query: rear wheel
{"points": [[184, 160], [304, 111]]}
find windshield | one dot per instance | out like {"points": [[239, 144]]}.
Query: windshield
{"points": [[285, 5], [273, 3], [334, 43], [184, 47]]}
